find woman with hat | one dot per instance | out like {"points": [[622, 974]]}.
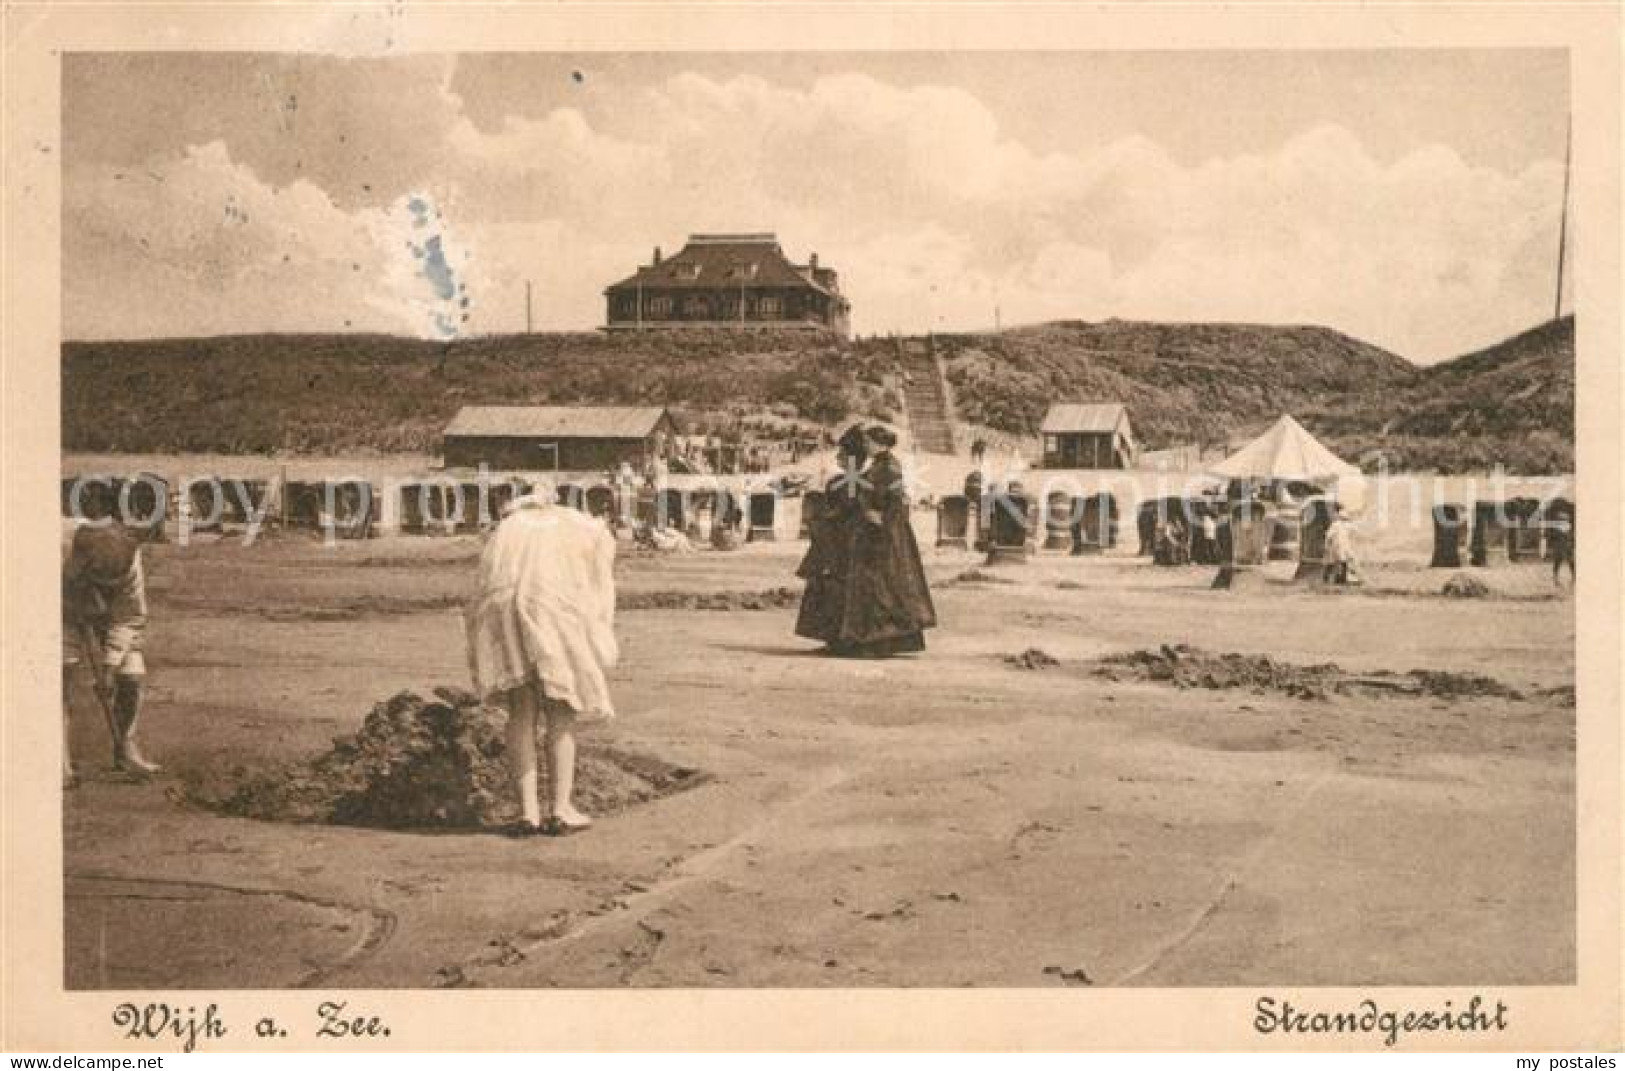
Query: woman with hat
{"points": [[832, 529], [887, 605]]}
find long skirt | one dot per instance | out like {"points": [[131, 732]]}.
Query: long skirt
{"points": [[887, 603]]}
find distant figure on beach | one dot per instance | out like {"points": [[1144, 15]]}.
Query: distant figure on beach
{"points": [[1340, 565], [1560, 539], [975, 490], [1206, 550], [726, 522], [1145, 526], [888, 602], [540, 632], [1169, 543], [975, 482], [827, 564]]}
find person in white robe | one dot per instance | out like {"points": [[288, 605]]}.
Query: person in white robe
{"points": [[540, 631]]}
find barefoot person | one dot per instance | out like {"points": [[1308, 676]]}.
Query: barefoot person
{"points": [[540, 634], [104, 622]]}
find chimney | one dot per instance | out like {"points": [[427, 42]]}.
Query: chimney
{"points": [[657, 256], [812, 262]]}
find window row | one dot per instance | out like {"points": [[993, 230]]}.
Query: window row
{"points": [[702, 308]]}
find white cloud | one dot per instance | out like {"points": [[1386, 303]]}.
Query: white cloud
{"points": [[200, 245], [929, 211]]}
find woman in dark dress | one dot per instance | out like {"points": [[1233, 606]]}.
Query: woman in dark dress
{"points": [[829, 557], [887, 605]]}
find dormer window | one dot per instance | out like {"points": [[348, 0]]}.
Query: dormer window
{"points": [[687, 271], [741, 272]]}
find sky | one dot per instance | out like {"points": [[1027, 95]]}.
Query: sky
{"points": [[1410, 198]]}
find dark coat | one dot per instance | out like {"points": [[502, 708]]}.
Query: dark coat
{"points": [[828, 562], [887, 598]]}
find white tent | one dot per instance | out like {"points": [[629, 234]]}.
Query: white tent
{"points": [[1287, 452]]}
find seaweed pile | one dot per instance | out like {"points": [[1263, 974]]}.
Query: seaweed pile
{"points": [[1182, 666], [1463, 586], [770, 599], [1032, 658], [426, 764], [1187, 667]]}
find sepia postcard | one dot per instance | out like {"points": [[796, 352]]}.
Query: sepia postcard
{"points": [[811, 526]]}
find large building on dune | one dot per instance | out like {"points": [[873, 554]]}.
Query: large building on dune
{"points": [[728, 282]]}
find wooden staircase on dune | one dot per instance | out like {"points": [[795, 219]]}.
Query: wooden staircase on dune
{"points": [[925, 397]]}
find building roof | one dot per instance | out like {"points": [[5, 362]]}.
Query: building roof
{"points": [[1285, 452], [556, 421], [1099, 418], [732, 262]]}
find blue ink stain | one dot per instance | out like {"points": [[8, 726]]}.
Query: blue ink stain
{"points": [[449, 303], [420, 211], [437, 271]]}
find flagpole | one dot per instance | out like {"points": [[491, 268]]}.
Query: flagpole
{"points": [[1563, 225]]}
